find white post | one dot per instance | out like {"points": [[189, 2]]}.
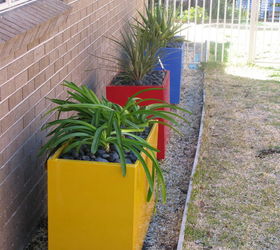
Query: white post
{"points": [[224, 28], [174, 8], [253, 30], [167, 5], [153, 5], [217, 32], [181, 9]]}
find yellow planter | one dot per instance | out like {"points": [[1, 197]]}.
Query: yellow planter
{"points": [[91, 206]]}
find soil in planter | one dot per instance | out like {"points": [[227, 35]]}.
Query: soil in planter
{"points": [[84, 154], [154, 78]]}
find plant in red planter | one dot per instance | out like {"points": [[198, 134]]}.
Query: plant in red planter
{"points": [[136, 63], [161, 23]]}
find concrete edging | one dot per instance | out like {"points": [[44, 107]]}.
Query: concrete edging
{"points": [[185, 213]]}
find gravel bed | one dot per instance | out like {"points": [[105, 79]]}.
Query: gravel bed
{"points": [[40, 238], [164, 229]]}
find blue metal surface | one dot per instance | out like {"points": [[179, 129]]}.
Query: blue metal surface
{"points": [[172, 60]]}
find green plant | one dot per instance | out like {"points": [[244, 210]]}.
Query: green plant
{"points": [[138, 55], [140, 43], [232, 12], [229, 13], [193, 14], [101, 123], [160, 24]]}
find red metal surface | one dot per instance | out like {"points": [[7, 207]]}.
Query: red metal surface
{"points": [[120, 95]]}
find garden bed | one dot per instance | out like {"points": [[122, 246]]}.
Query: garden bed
{"points": [[164, 229]]}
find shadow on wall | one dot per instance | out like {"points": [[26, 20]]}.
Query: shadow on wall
{"points": [[25, 189]]}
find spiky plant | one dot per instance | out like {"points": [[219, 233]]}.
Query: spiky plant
{"points": [[138, 55], [103, 124], [160, 24]]}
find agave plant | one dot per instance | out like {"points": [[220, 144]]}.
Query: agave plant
{"points": [[160, 24], [102, 124], [138, 54]]}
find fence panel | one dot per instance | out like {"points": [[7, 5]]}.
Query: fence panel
{"points": [[229, 30]]}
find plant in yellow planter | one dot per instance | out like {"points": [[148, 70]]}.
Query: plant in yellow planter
{"points": [[102, 172]]}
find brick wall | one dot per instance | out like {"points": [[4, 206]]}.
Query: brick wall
{"points": [[27, 77]]}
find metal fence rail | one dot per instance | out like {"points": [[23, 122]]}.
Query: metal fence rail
{"points": [[229, 30]]}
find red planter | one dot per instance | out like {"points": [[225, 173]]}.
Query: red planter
{"points": [[120, 95]]}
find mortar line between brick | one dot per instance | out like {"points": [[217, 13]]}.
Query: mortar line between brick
{"points": [[41, 112], [35, 185], [39, 100], [44, 97], [44, 42], [2, 101]]}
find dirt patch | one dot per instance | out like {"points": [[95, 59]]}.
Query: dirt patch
{"points": [[235, 202]]}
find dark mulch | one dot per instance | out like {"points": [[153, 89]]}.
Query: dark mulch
{"points": [[84, 154]]}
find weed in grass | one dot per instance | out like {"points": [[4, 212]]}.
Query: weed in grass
{"points": [[195, 234]]}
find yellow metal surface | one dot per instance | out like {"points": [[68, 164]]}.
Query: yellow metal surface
{"points": [[91, 206]]}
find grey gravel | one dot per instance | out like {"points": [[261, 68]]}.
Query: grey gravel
{"points": [[164, 229], [40, 238]]}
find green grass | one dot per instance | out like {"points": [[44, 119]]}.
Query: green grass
{"points": [[235, 199], [211, 65], [276, 124]]}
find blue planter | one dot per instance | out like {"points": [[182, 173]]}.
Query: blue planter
{"points": [[172, 60]]}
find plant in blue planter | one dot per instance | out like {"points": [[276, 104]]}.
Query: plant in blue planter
{"points": [[173, 60], [161, 24]]}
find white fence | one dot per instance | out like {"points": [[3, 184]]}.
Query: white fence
{"points": [[229, 30]]}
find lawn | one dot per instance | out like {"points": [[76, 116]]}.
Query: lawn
{"points": [[235, 202]]}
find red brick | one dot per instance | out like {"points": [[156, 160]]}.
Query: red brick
{"points": [[21, 79], [15, 99], [3, 76], [44, 62], [28, 88], [7, 89], [49, 71], [28, 59], [39, 62], [28, 117], [49, 46], [9, 135], [33, 70], [15, 68], [58, 64], [4, 109], [39, 52]]}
